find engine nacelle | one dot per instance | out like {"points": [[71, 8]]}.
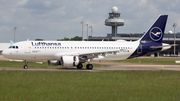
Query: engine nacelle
{"points": [[69, 60], [54, 62]]}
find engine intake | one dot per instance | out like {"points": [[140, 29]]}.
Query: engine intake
{"points": [[69, 60]]}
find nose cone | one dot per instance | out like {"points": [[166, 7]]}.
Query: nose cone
{"points": [[4, 53]]}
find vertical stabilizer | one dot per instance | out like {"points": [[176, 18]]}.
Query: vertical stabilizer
{"points": [[156, 32]]}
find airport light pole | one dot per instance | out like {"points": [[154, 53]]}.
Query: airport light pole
{"points": [[14, 34], [115, 30], [91, 30], [87, 31], [174, 25], [82, 29]]}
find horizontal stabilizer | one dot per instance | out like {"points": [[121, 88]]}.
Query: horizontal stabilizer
{"points": [[163, 46]]}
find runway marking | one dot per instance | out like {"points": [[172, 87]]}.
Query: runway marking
{"points": [[160, 66]]}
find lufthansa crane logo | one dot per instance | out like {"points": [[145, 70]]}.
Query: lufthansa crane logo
{"points": [[155, 33]]}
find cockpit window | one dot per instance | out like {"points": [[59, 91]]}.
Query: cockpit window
{"points": [[13, 47], [10, 47]]}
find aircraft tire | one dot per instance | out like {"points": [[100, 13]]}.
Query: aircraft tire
{"points": [[89, 66], [25, 67], [79, 66]]}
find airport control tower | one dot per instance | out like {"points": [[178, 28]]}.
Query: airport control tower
{"points": [[114, 20]]}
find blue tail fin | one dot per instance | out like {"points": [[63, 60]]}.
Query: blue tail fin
{"points": [[156, 31]]}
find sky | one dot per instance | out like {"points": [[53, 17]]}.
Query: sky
{"points": [[56, 19]]}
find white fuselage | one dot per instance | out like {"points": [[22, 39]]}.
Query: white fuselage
{"points": [[53, 50]]}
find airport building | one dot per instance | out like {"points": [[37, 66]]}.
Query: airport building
{"points": [[114, 21]]}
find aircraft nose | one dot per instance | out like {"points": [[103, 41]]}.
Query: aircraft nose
{"points": [[4, 53]]}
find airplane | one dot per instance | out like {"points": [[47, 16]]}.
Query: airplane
{"points": [[74, 53]]}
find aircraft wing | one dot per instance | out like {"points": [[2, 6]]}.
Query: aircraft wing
{"points": [[91, 55]]}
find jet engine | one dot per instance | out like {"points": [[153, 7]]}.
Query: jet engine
{"points": [[54, 62], [69, 60]]}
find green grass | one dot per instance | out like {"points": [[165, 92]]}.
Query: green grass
{"points": [[166, 61], [34, 64], [90, 86]]}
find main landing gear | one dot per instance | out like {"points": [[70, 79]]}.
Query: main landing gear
{"points": [[88, 66], [26, 66], [79, 66]]}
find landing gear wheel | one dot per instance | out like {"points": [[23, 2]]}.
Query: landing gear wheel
{"points": [[89, 66], [25, 67], [79, 66]]}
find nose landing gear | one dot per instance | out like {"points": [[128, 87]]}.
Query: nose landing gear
{"points": [[26, 66]]}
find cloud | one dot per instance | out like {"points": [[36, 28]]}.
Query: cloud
{"points": [[62, 10], [6, 19], [143, 3], [47, 4], [22, 2], [5, 28], [79, 19]]}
